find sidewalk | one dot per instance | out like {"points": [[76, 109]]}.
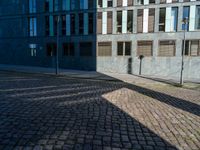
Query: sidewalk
{"points": [[93, 75]]}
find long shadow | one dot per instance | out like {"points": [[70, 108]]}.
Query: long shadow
{"points": [[85, 121], [168, 99]]}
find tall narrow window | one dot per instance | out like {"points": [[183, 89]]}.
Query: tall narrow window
{"points": [[162, 15], [119, 3], [81, 23], [55, 24], [63, 24], [51, 49], [197, 18], [32, 6], [73, 24], [46, 6], [151, 19], [99, 23], [73, 4], [32, 48], [90, 4], [47, 25], [90, 23], [32, 26], [110, 3], [174, 18], [140, 20], [119, 21], [109, 22], [130, 2], [140, 2], [55, 5], [186, 14], [162, 1], [130, 21], [151, 1], [100, 3]]}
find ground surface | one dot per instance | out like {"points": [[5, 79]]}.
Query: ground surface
{"points": [[45, 112]]}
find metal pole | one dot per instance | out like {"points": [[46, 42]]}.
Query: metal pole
{"points": [[57, 61], [185, 20]]}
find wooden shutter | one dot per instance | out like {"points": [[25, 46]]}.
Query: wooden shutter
{"points": [[162, 1], [130, 2], [167, 48], [194, 48], [99, 23], [104, 49], [119, 3], [144, 48], [140, 20], [109, 22], [151, 20]]}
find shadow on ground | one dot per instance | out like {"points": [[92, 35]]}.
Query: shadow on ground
{"points": [[56, 113]]}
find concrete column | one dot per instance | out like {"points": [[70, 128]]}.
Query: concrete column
{"points": [[134, 48], [145, 20], [192, 18], [105, 3], [169, 1], [115, 3], [146, 2], [124, 3], [104, 23], [135, 21], [51, 25], [85, 17], [156, 27], [114, 22], [178, 48], [155, 47], [68, 25], [168, 20], [180, 18], [124, 21]]}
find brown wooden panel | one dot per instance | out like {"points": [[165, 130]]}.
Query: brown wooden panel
{"points": [[119, 3], [109, 22], [167, 48], [130, 2], [151, 20], [99, 23], [104, 49], [140, 20], [144, 48]]}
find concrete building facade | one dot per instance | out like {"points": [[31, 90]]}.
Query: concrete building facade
{"points": [[103, 35]]}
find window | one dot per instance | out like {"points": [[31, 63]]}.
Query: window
{"points": [[140, 2], [32, 26], [65, 4], [197, 18], [90, 23], [186, 14], [47, 25], [99, 23], [167, 48], [151, 1], [130, 2], [151, 19], [192, 47], [162, 1], [99, 3], [90, 4], [162, 19], [63, 24], [46, 6], [81, 4], [81, 23], [55, 24], [51, 49], [130, 21], [144, 48], [55, 5], [85, 49], [119, 3], [32, 49], [123, 48], [140, 20], [174, 18], [32, 6], [119, 21], [72, 26], [109, 22], [68, 49], [73, 4], [105, 49], [110, 3]]}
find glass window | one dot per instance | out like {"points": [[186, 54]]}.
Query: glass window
{"points": [[32, 26], [162, 15], [32, 48], [32, 6], [130, 21], [68, 49], [174, 18], [124, 48], [119, 21], [197, 18], [186, 13]]}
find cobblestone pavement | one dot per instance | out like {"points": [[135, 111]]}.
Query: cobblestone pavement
{"points": [[47, 112]]}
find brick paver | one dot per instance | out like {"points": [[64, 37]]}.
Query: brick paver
{"points": [[45, 113]]}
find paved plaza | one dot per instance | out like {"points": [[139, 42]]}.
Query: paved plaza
{"points": [[45, 112]]}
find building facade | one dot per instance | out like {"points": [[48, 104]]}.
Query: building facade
{"points": [[103, 35]]}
